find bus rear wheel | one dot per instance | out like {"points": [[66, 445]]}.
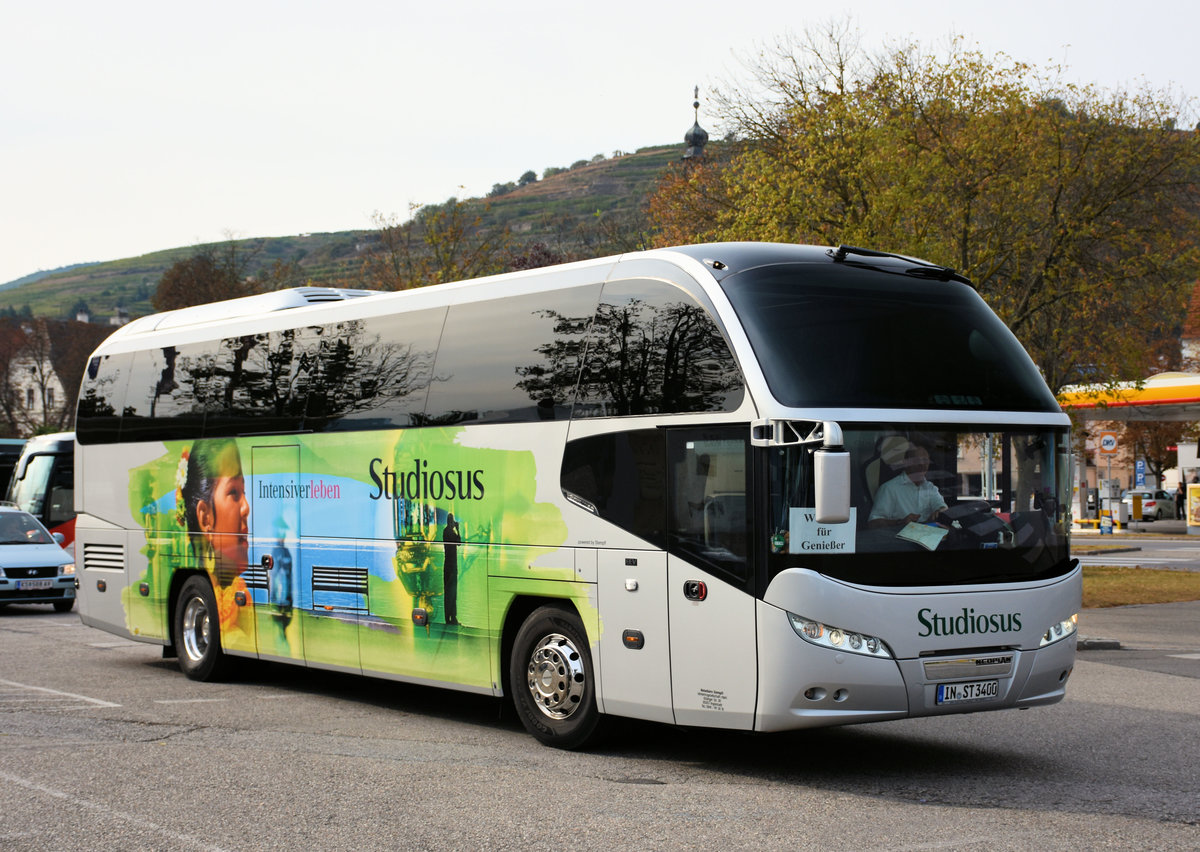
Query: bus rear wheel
{"points": [[552, 679], [198, 631]]}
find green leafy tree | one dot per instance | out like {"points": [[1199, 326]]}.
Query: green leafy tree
{"points": [[1071, 209], [438, 243]]}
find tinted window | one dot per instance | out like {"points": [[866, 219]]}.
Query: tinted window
{"points": [[368, 374], [511, 360], [837, 335], [244, 385], [98, 416], [621, 477], [158, 404], [654, 350], [60, 500]]}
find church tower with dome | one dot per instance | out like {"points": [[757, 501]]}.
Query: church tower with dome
{"points": [[697, 137]]}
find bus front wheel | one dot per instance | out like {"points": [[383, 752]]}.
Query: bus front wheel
{"points": [[198, 631], [552, 680]]}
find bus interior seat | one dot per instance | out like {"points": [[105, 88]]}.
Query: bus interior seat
{"points": [[724, 515], [886, 463]]}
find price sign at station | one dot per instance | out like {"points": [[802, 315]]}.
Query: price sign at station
{"points": [[1108, 443]]}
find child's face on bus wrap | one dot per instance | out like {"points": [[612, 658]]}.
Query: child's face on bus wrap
{"points": [[226, 517]]}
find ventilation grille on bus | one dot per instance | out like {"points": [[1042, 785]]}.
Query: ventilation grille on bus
{"points": [[314, 295], [110, 557]]}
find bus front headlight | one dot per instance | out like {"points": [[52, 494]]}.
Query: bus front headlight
{"points": [[837, 638], [1060, 631]]}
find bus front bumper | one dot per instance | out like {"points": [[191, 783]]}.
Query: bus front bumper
{"points": [[802, 685]]}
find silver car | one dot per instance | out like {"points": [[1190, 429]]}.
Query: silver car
{"points": [[33, 566], [1156, 505]]}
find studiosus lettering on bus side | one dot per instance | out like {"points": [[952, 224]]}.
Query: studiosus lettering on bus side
{"points": [[419, 483]]}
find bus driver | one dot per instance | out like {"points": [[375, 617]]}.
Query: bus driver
{"points": [[908, 497]]}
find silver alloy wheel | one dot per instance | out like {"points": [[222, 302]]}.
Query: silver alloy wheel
{"points": [[196, 626], [556, 676]]}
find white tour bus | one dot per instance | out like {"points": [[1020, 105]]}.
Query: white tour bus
{"points": [[746, 486]]}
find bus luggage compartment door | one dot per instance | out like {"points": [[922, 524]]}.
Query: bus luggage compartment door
{"points": [[635, 660], [273, 575], [100, 571]]}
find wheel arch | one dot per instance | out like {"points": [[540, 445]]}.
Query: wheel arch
{"points": [[178, 578], [521, 607]]}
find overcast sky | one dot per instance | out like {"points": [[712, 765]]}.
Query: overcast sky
{"points": [[128, 127]]}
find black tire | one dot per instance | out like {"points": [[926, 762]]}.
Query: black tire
{"points": [[198, 631], [552, 680], [64, 606]]}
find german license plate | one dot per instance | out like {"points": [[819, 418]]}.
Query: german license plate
{"points": [[32, 585], [976, 690]]}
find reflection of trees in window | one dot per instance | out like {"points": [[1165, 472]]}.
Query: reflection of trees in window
{"points": [[291, 379], [99, 384], [648, 357], [348, 373], [97, 417], [499, 355], [95, 404], [552, 381]]}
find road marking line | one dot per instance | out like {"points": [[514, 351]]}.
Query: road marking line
{"points": [[188, 700], [1185, 656], [77, 801], [125, 643], [96, 701]]}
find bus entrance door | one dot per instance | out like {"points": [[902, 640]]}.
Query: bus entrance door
{"points": [[272, 577], [714, 655]]}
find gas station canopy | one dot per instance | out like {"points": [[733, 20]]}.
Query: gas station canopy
{"points": [[1167, 396]]}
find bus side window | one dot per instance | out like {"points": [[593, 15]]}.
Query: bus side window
{"points": [[707, 474], [653, 349], [621, 474], [158, 403], [365, 374], [102, 399], [60, 503], [511, 360]]}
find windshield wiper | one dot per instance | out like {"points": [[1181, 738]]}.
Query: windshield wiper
{"points": [[922, 269]]}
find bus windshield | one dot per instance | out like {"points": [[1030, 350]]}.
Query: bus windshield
{"points": [[29, 492], [836, 335], [931, 505]]}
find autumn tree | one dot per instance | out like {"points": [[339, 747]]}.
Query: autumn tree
{"points": [[438, 243], [206, 276], [534, 256], [1072, 209], [12, 340], [278, 275], [1156, 442], [45, 357]]}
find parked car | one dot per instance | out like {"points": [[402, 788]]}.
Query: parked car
{"points": [[1156, 505], [34, 568]]}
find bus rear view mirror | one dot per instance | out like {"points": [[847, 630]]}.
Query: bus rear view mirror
{"points": [[832, 474]]}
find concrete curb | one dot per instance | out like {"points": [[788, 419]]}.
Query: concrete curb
{"points": [[1087, 643]]}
